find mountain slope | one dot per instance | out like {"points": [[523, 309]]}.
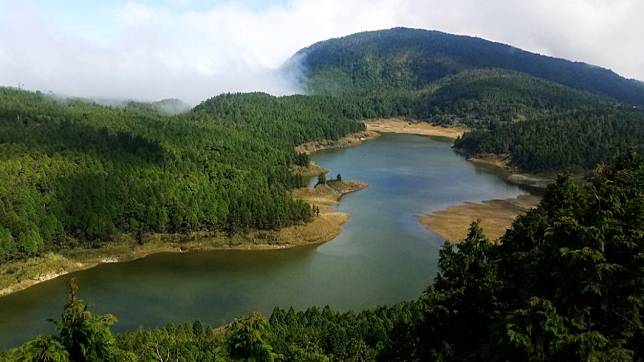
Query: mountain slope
{"points": [[413, 58], [485, 96], [74, 173]]}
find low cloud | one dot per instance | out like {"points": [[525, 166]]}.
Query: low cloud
{"points": [[154, 52]]}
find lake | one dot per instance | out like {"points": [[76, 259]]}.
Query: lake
{"points": [[383, 255]]}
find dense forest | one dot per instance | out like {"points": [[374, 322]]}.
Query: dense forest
{"points": [[566, 283], [74, 173], [576, 140]]}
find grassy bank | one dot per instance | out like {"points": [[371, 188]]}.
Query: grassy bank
{"points": [[496, 216], [399, 125], [375, 127], [353, 139], [500, 164]]}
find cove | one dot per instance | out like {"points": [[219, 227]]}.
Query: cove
{"points": [[383, 256]]}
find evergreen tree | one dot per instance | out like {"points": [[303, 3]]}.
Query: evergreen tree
{"points": [[321, 179]]}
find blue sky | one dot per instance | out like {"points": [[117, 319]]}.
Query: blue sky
{"points": [[100, 19], [194, 49]]}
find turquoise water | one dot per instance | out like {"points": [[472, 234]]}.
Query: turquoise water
{"points": [[383, 256]]}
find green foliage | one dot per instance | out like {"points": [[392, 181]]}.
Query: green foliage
{"points": [[403, 58], [42, 349], [547, 114], [485, 98], [247, 339], [85, 336], [566, 283], [8, 246], [82, 336], [170, 343], [321, 179], [571, 140], [75, 173]]}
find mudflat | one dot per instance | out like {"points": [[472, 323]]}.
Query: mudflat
{"points": [[496, 216]]}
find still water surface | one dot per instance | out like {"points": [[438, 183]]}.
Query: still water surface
{"points": [[383, 256]]}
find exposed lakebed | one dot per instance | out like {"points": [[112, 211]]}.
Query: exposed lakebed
{"points": [[383, 256]]}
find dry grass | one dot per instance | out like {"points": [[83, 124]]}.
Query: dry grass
{"points": [[501, 164], [397, 125], [328, 195], [353, 139], [323, 228], [21, 274], [496, 217]]}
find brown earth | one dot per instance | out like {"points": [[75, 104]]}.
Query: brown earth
{"points": [[496, 217], [399, 125]]}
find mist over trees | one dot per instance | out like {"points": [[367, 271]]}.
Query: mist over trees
{"points": [[406, 58]]}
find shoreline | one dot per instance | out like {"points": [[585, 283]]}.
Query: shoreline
{"points": [[420, 128], [353, 139], [374, 129], [496, 217], [500, 164], [21, 274], [453, 222]]}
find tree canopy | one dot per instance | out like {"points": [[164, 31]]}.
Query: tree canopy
{"points": [[566, 282], [76, 173]]}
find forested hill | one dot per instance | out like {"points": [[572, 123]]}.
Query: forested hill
{"points": [[74, 173], [169, 106], [413, 58], [542, 113], [486, 97]]}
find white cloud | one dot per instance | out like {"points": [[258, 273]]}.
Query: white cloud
{"points": [[135, 14], [157, 52]]}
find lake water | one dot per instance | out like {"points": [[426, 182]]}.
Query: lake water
{"points": [[383, 256]]}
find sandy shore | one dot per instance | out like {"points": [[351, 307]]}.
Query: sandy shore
{"points": [[398, 125], [353, 139], [496, 217], [375, 127], [500, 163]]}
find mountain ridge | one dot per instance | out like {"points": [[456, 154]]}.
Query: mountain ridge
{"points": [[414, 58]]}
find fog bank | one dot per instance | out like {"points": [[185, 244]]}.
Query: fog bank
{"points": [[192, 50]]}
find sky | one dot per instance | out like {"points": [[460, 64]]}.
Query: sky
{"points": [[196, 49]]}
